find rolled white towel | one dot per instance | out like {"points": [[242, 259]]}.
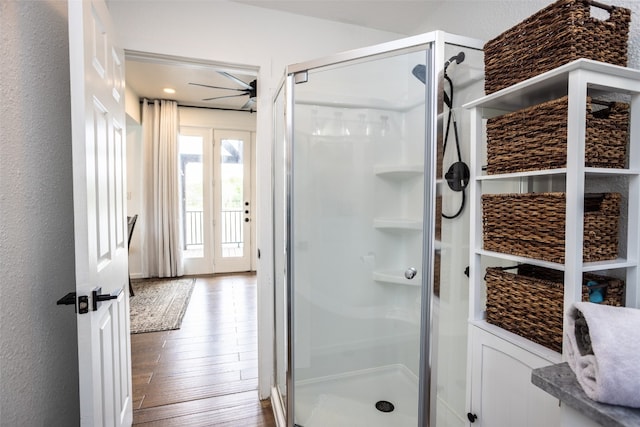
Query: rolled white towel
{"points": [[611, 374]]}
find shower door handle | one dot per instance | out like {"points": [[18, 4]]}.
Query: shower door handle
{"points": [[410, 273]]}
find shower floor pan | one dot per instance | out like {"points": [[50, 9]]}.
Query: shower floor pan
{"points": [[350, 399]]}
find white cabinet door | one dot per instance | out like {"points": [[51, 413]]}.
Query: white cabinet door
{"points": [[99, 189], [502, 394]]}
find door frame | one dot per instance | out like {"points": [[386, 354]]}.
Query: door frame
{"points": [[196, 117]]}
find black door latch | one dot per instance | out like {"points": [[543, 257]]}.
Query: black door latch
{"points": [[68, 299], [98, 297]]}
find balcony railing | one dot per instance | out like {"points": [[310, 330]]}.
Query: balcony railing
{"points": [[231, 227], [193, 228]]}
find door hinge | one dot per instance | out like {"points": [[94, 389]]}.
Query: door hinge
{"points": [[301, 77]]}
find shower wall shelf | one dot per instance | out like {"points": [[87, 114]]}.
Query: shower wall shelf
{"points": [[397, 224], [403, 315], [399, 173], [396, 277], [575, 80]]}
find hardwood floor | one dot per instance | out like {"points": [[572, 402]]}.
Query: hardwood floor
{"points": [[206, 372]]}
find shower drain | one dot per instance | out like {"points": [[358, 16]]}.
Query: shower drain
{"points": [[384, 406]]}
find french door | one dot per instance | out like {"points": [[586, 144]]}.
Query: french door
{"points": [[232, 201], [215, 171]]}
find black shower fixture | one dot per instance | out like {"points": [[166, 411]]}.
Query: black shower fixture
{"points": [[420, 72], [457, 58], [457, 176]]}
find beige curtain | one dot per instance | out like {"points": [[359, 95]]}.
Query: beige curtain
{"points": [[162, 246]]}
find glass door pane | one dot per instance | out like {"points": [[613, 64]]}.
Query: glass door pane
{"points": [[194, 146], [279, 262], [357, 239], [231, 182], [464, 83], [191, 184], [233, 210]]}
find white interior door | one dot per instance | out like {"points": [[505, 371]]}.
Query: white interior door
{"points": [[99, 192], [232, 201]]}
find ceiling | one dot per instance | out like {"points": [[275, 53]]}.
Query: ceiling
{"points": [[408, 17], [148, 75]]}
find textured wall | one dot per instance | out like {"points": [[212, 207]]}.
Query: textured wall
{"points": [[38, 356]]}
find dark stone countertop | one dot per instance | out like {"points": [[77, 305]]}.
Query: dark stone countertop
{"points": [[560, 381]]}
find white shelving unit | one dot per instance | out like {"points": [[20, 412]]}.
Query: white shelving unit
{"points": [[577, 80]]}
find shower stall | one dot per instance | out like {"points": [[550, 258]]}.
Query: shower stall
{"points": [[371, 234]]}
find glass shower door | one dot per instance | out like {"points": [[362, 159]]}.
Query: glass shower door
{"points": [[357, 226], [281, 338]]}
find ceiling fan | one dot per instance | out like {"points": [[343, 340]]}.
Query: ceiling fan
{"points": [[249, 89]]}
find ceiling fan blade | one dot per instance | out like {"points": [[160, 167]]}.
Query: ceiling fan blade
{"points": [[250, 103], [217, 87], [246, 86], [221, 97]]}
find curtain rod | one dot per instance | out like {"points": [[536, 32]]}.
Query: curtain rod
{"points": [[206, 108]]}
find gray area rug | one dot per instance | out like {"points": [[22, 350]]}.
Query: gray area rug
{"points": [[159, 304]]}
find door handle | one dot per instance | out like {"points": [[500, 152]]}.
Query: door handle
{"points": [[98, 297]]}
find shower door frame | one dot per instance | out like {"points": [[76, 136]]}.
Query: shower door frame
{"points": [[433, 43]]}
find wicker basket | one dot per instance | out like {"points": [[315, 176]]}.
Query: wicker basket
{"points": [[533, 225], [560, 33], [436, 273], [536, 137], [530, 302]]}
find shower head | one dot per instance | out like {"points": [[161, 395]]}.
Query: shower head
{"points": [[420, 71], [457, 58]]}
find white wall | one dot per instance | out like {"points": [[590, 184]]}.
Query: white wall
{"points": [[38, 348]]}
